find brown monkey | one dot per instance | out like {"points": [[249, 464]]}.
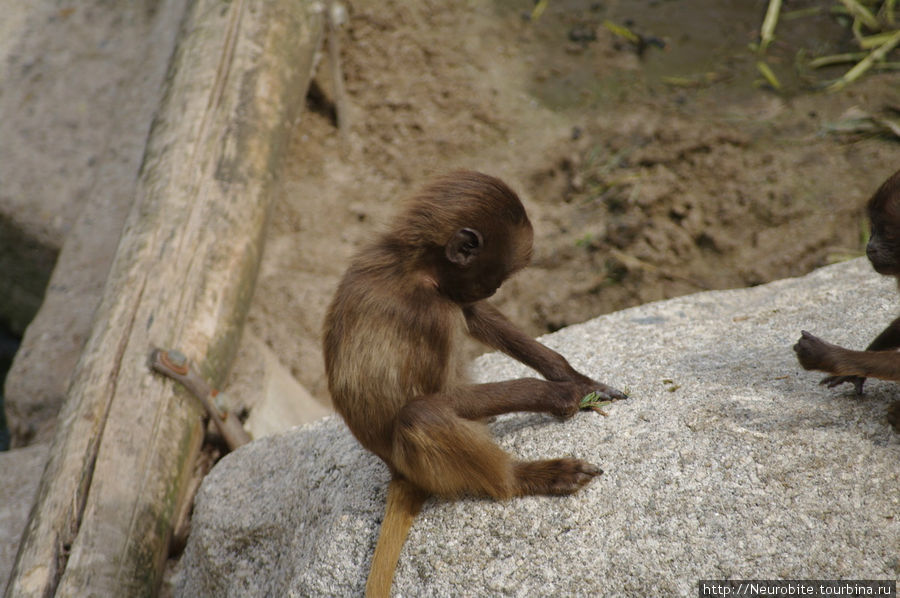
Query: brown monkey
{"points": [[880, 359], [391, 339]]}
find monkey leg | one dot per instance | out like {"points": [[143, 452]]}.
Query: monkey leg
{"points": [[448, 455], [480, 401]]}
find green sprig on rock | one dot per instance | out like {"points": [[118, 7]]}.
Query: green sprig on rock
{"points": [[593, 401]]}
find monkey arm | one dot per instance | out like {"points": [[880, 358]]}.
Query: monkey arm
{"points": [[888, 339], [488, 325], [884, 365], [816, 354]]}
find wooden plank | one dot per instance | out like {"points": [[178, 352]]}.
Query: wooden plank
{"points": [[183, 276]]}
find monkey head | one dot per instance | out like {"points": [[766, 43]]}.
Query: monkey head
{"points": [[470, 232], [883, 249], [477, 263]]}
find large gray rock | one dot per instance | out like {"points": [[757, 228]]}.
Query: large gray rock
{"points": [[20, 476], [79, 86], [729, 461]]}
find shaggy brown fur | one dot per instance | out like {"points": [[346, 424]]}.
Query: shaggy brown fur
{"points": [[391, 340]]}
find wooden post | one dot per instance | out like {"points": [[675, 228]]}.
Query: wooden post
{"points": [[182, 277]]}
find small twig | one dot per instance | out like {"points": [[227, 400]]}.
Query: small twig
{"points": [[175, 365]]}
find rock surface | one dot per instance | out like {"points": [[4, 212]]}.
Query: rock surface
{"points": [[80, 86], [728, 461], [20, 472]]}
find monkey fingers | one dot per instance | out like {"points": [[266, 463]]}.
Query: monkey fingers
{"points": [[593, 401], [814, 353], [833, 381], [608, 393]]}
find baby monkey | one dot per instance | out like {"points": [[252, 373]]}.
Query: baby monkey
{"points": [[880, 359], [391, 344]]}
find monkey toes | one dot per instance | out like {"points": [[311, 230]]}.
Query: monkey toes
{"points": [[555, 476], [572, 474]]}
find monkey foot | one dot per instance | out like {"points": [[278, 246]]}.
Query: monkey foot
{"points": [[572, 475], [555, 476]]}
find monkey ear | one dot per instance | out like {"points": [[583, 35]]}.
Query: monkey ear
{"points": [[464, 246]]}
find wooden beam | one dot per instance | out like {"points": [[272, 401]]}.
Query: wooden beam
{"points": [[183, 276]]}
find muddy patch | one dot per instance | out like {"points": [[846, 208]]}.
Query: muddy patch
{"points": [[640, 187]]}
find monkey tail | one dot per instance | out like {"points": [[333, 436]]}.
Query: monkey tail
{"points": [[404, 501]]}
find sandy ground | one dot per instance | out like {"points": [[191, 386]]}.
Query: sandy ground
{"points": [[638, 191]]}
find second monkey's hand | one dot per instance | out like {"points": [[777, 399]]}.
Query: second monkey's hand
{"points": [[815, 354]]}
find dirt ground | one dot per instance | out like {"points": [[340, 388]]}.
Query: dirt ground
{"points": [[638, 190]]}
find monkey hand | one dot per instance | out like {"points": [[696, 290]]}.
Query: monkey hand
{"points": [[601, 392], [856, 381], [815, 354], [594, 395]]}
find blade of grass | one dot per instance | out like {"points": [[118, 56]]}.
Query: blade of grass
{"points": [[768, 75], [623, 32], [863, 14], [873, 41], [887, 12], [767, 32], [821, 61], [539, 9], [866, 63]]}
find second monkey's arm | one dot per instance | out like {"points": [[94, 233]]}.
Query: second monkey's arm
{"points": [[888, 339], [812, 352], [488, 325], [816, 354]]}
